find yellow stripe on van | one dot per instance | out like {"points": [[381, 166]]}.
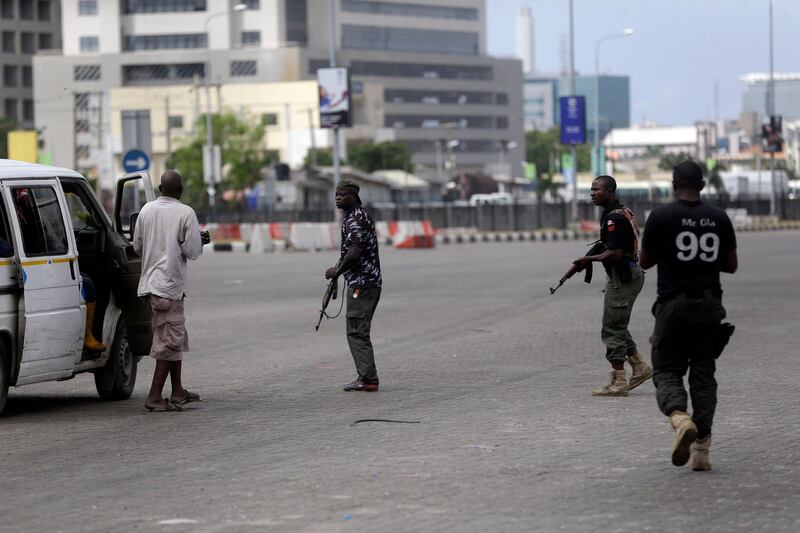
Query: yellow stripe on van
{"points": [[39, 262], [6, 263]]}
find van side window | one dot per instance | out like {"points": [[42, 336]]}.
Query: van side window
{"points": [[41, 222], [81, 215], [6, 248]]}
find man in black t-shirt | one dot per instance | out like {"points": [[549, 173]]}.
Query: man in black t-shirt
{"points": [[691, 242], [620, 237]]}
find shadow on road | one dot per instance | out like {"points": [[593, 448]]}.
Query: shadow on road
{"points": [[27, 405]]}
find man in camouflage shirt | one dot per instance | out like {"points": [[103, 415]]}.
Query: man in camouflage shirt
{"points": [[361, 267]]}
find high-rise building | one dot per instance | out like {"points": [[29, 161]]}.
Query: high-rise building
{"points": [[26, 27], [787, 95], [526, 50], [541, 94], [428, 59]]}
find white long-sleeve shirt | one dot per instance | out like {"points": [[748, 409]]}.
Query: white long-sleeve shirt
{"points": [[166, 235]]}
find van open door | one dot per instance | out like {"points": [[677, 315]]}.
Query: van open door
{"points": [[133, 191], [53, 314]]}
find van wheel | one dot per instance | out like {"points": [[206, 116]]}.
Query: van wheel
{"points": [[5, 376], [116, 380]]}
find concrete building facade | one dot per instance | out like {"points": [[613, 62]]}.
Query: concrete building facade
{"points": [[787, 96], [26, 27], [432, 85], [541, 96]]}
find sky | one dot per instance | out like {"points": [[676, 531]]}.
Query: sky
{"points": [[679, 50]]}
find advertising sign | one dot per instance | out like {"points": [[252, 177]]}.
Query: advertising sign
{"points": [[334, 97], [573, 119], [771, 134]]}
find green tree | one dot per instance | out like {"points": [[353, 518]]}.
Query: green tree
{"points": [[712, 177], [324, 158], [244, 155], [6, 125], [370, 157], [545, 149]]}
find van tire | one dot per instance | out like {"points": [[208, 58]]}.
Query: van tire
{"points": [[5, 376], [116, 380]]}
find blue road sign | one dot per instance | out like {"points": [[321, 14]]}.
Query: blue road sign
{"points": [[135, 161], [573, 119]]}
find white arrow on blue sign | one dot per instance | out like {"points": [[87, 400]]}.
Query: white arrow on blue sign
{"points": [[135, 161]]}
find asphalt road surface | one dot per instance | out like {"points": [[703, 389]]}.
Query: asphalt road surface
{"points": [[469, 343]]}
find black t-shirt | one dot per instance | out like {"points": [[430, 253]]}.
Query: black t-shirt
{"points": [[689, 241], [616, 231]]}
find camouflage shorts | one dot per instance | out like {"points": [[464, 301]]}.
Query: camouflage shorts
{"points": [[170, 338]]}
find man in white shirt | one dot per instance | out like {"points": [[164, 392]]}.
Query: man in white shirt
{"points": [[166, 236]]}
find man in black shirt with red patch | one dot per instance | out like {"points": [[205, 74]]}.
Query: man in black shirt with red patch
{"points": [[624, 280], [691, 242]]}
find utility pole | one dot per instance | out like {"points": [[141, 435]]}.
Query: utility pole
{"points": [[169, 133], [337, 170], [572, 92], [771, 112], [313, 141]]}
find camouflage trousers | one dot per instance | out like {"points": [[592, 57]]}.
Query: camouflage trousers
{"points": [[617, 309]]}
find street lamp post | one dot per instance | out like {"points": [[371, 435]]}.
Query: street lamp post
{"points": [[627, 32], [208, 154]]}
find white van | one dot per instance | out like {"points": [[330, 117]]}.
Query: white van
{"points": [[54, 231]]}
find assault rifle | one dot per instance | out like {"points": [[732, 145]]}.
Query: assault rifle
{"points": [[597, 247], [330, 294]]}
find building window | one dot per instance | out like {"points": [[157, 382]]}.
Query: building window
{"points": [[27, 76], [502, 123], [176, 121], [254, 4], [86, 72], [166, 42], [9, 42], [297, 21], [43, 9], [27, 41], [161, 73], [409, 10], [431, 97], [10, 108], [7, 9], [436, 121], [269, 119], [243, 68], [133, 7], [45, 41], [27, 110], [87, 7], [251, 38], [26, 9], [409, 40], [90, 43], [10, 76], [501, 98], [389, 69]]}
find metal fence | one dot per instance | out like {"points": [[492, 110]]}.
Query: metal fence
{"points": [[511, 217]]}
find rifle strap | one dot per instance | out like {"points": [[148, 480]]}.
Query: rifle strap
{"points": [[628, 214]]}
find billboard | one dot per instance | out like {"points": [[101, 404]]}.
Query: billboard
{"points": [[573, 119], [334, 97], [23, 146], [772, 135]]}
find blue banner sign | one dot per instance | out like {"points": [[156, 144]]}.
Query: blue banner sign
{"points": [[573, 119]]}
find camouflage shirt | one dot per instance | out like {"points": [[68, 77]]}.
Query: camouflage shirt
{"points": [[358, 228]]}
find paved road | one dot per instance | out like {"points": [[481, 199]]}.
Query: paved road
{"points": [[470, 343]]}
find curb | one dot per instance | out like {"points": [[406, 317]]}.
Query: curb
{"points": [[515, 236]]}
